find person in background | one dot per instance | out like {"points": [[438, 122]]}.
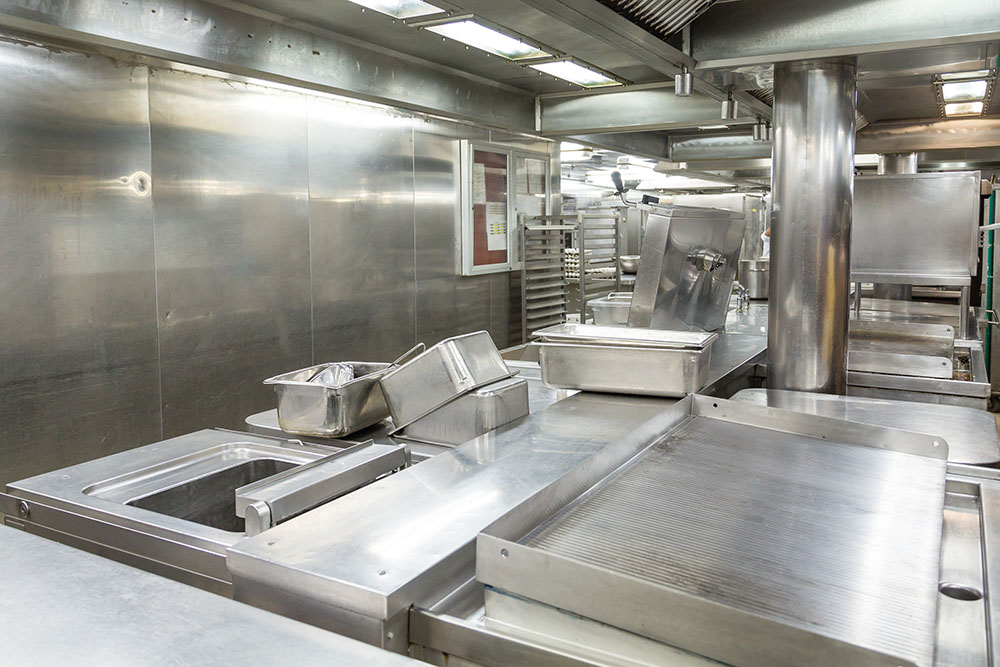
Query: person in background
{"points": [[766, 238]]}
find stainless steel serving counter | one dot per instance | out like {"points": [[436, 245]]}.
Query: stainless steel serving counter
{"points": [[357, 564], [65, 606]]}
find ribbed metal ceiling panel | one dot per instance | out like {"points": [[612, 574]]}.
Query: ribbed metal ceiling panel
{"points": [[660, 17], [765, 95]]}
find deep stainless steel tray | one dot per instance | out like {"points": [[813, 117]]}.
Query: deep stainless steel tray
{"points": [[592, 334], [749, 535], [442, 373], [309, 408], [611, 310], [472, 415], [619, 369]]}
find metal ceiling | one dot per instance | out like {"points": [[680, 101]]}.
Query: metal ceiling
{"points": [[659, 17], [336, 46]]}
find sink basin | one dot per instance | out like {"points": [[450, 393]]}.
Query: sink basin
{"points": [[201, 487], [211, 500], [169, 507]]}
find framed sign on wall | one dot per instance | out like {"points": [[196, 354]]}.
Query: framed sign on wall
{"points": [[486, 209], [497, 183]]}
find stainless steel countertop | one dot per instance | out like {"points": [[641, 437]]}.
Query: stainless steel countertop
{"points": [[65, 606], [971, 434], [397, 541]]}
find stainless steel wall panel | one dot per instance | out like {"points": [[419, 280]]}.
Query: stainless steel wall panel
{"points": [[452, 306], [232, 245], [170, 239], [78, 358], [447, 303], [361, 221], [500, 312]]}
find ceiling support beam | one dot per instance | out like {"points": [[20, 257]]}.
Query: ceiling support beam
{"points": [[907, 136], [222, 39], [651, 145], [762, 32], [628, 111], [703, 146]]}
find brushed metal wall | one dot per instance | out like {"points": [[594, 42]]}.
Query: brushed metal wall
{"points": [[78, 341], [231, 207], [170, 239]]}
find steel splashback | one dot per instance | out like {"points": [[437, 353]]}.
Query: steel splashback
{"points": [[971, 433], [918, 229]]}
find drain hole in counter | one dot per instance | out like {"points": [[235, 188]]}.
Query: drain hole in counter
{"points": [[961, 592]]}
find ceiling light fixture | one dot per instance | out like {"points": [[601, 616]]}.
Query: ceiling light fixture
{"points": [[487, 39], [400, 9], [954, 76], [964, 90], [963, 109], [567, 70]]}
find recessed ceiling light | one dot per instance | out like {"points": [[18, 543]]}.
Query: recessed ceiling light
{"points": [[712, 127], [963, 90], [578, 74], [965, 75], [487, 39], [963, 109], [400, 9]]}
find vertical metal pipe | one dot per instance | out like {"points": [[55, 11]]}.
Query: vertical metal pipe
{"points": [[813, 196], [963, 313], [895, 163]]}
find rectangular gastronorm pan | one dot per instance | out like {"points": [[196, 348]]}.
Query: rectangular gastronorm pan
{"points": [[616, 369], [593, 334], [308, 408], [442, 373], [473, 414]]}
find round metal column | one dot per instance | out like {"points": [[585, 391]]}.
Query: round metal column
{"points": [[813, 195], [895, 163]]}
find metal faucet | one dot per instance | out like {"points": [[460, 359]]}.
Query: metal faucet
{"points": [[742, 297]]}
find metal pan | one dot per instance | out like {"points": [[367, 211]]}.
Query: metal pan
{"points": [[442, 373]]}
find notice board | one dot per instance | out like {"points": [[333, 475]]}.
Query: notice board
{"points": [[490, 170]]}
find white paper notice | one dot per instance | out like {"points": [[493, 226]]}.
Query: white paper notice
{"points": [[522, 182], [496, 226], [536, 176], [478, 183]]}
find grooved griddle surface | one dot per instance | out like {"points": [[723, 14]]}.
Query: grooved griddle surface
{"points": [[840, 540]]}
